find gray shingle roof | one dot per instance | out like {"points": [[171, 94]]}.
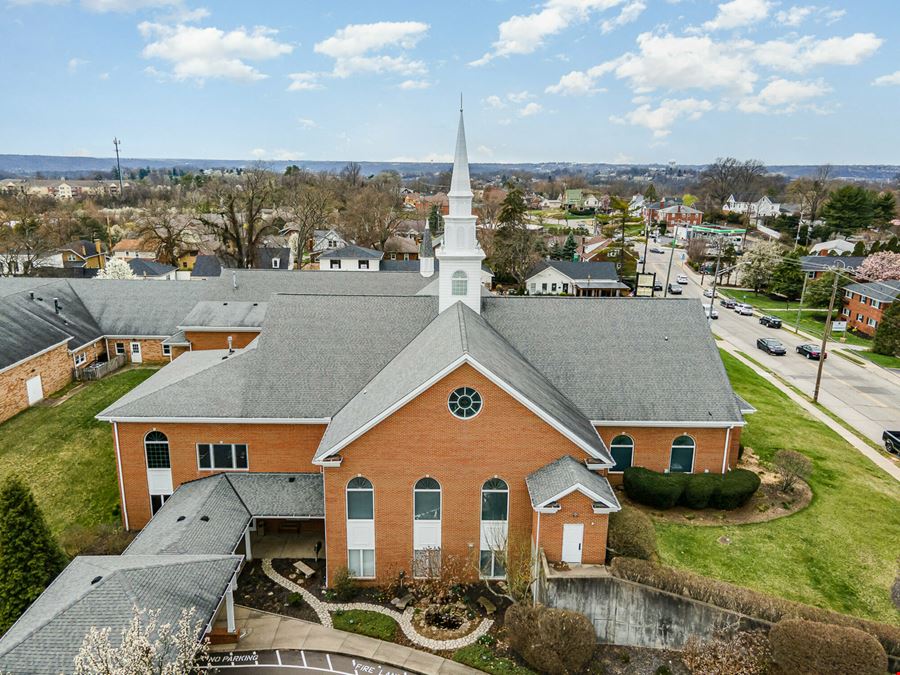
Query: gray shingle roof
{"points": [[576, 270], [457, 333], [206, 266], [266, 254], [22, 335], [883, 291], [823, 263], [427, 248], [561, 476], [225, 314], [149, 268], [352, 251], [48, 636]]}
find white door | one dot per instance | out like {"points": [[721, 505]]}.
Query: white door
{"points": [[573, 536], [136, 352], [35, 389]]}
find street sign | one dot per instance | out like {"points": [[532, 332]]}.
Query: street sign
{"points": [[644, 285], [838, 326]]}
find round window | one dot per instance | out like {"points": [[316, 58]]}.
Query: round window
{"points": [[464, 402]]}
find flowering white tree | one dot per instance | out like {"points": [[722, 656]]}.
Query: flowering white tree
{"points": [[147, 647], [116, 268], [879, 266]]}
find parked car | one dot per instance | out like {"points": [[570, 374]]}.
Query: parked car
{"points": [[771, 346], [675, 289], [743, 309], [657, 286], [656, 249], [727, 303], [892, 441], [810, 351], [708, 293], [770, 321], [710, 310], [681, 279]]}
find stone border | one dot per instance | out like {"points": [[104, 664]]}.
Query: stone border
{"points": [[323, 611]]}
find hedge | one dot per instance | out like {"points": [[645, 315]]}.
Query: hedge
{"points": [[694, 490], [745, 601], [807, 648], [554, 641], [631, 533]]}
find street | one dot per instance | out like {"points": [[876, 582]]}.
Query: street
{"points": [[866, 397], [274, 661]]}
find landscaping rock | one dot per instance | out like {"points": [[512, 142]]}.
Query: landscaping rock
{"points": [[488, 606]]}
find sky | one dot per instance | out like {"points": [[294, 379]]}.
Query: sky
{"points": [[624, 81]]}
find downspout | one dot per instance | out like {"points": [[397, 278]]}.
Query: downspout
{"points": [[119, 467], [727, 448]]}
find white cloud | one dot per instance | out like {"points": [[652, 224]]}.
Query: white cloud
{"points": [[888, 80], [531, 109], [834, 15], [794, 16], [660, 120], [76, 63], [807, 52], [629, 14], [103, 6], [202, 53], [523, 34], [414, 84], [580, 83], [484, 151], [356, 48], [495, 102], [784, 96], [304, 82], [306, 123], [518, 96], [103, 76], [738, 13]]}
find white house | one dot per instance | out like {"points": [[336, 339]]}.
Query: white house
{"points": [[758, 211], [351, 257], [565, 277], [636, 205], [833, 247]]}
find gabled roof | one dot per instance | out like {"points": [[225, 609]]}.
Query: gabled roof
{"points": [[823, 263], [150, 268], [225, 314], [102, 592], [458, 335], [395, 244], [132, 245], [206, 266], [579, 271], [557, 479], [266, 254], [352, 251], [883, 291]]}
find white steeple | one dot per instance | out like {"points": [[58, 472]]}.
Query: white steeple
{"points": [[460, 254]]}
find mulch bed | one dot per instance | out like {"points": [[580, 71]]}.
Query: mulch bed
{"points": [[769, 503], [256, 590]]}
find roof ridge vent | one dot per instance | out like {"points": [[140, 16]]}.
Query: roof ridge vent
{"points": [[179, 519], [95, 580], [205, 519]]}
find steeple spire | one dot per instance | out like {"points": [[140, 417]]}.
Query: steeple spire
{"points": [[460, 186]]}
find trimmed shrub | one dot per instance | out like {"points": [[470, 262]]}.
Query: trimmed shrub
{"points": [[744, 653], [737, 486], [808, 648], [631, 533], [659, 490], [743, 600], [554, 641], [700, 489], [343, 585]]}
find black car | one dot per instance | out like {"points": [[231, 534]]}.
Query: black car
{"points": [[810, 351], [892, 441], [771, 346], [770, 321], [727, 303], [674, 289], [657, 286]]}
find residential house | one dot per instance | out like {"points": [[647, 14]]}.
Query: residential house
{"points": [[400, 248], [150, 269], [351, 257], [833, 247], [757, 211], [864, 304], [814, 266], [85, 254], [636, 205], [679, 215], [572, 198], [324, 240], [650, 211], [581, 279], [133, 248]]}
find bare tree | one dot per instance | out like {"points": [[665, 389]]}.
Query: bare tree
{"points": [[352, 175], [371, 217], [235, 214], [812, 191], [696, 250], [164, 229], [24, 239], [307, 207], [489, 207], [727, 176]]}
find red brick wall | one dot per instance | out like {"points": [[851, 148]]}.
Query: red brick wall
{"points": [[270, 447], [505, 439], [219, 340], [575, 508], [91, 352], [54, 367], [653, 446], [151, 349], [856, 306]]}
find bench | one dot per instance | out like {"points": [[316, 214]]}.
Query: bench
{"points": [[304, 569], [401, 603], [488, 606]]}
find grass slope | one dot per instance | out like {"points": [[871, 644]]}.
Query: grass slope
{"points": [[66, 456], [839, 553]]}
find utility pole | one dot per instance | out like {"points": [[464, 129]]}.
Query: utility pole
{"points": [[800, 308], [646, 241], [669, 270], [712, 300], [822, 353], [117, 142]]}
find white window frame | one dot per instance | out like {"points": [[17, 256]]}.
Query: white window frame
{"points": [[212, 457], [693, 453], [276, 263], [459, 284], [371, 521], [482, 522], [80, 358], [363, 264], [167, 350], [612, 442], [120, 349], [334, 264]]}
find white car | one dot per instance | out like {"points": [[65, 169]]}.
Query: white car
{"points": [[743, 309], [711, 311], [708, 293], [681, 279]]}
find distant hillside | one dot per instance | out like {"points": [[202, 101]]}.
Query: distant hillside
{"points": [[74, 167]]}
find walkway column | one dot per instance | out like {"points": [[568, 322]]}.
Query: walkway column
{"points": [[247, 552], [229, 607]]}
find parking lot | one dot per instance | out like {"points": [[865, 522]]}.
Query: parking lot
{"points": [[297, 662]]}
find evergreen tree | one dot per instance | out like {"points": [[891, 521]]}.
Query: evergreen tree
{"points": [[435, 220], [887, 335], [859, 249], [555, 251], [787, 279], [849, 209], [818, 292], [570, 248], [875, 247], [650, 194], [30, 558], [893, 245], [884, 209], [513, 208]]}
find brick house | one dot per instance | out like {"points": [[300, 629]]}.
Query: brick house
{"points": [[864, 304]]}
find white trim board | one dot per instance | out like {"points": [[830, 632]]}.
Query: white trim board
{"points": [[666, 423], [217, 420]]}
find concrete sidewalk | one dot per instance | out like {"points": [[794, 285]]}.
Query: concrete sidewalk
{"points": [[877, 458], [262, 630]]}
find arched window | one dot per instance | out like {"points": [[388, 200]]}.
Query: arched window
{"points": [[361, 527], [459, 284], [427, 494], [682, 458], [494, 516], [156, 446], [622, 450], [464, 402]]}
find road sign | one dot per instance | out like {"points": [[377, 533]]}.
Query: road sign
{"points": [[644, 285], [838, 326]]}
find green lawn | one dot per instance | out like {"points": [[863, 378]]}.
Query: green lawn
{"points": [[814, 324], [372, 624], [761, 301], [839, 553], [66, 456], [483, 658], [881, 359]]}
